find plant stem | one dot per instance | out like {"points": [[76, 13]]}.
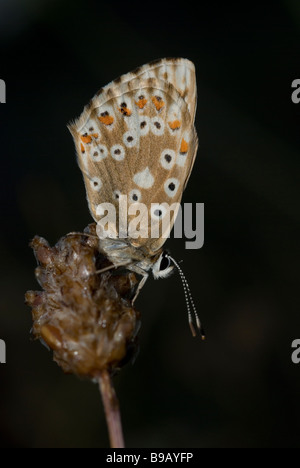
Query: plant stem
{"points": [[112, 410]]}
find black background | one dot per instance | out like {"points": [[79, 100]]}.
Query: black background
{"points": [[239, 388]]}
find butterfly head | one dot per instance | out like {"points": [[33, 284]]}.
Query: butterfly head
{"points": [[163, 267]]}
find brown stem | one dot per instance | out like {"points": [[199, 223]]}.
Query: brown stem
{"points": [[112, 410]]}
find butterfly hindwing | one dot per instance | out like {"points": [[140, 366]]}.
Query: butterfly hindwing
{"points": [[137, 138]]}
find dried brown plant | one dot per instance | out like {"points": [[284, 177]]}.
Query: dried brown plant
{"points": [[84, 316]]}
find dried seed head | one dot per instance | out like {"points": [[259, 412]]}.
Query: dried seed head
{"points": [[86, 318]]}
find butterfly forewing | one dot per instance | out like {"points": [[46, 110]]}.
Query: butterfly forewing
{"points": [[137, 138]]}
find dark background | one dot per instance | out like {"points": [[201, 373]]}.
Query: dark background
{"points": [[239, 388]]}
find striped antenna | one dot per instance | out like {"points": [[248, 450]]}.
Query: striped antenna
{"points": [[189, 302]]}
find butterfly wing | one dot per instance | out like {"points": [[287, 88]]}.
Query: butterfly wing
{"points": [[137, 138], [177, 71]]}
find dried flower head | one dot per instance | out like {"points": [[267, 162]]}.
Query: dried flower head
{"points": [[85, 317]]}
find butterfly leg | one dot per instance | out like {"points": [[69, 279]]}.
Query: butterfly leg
{"points": [[144, 275], [112, 267]]}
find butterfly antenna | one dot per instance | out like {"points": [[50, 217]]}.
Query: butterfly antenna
{"points": [[189, 302]]}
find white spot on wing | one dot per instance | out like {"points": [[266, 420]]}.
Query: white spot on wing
{"points": [[157, 126], [106, 112], [144, 125], [92, 128], [180, 78], [167, 159], [96, 184], [158, 211], [181, 159], [144, 179], [117, 152], [117, 194], [174, 112], [124, 100], [141, 94], [99, 153], [171, 187], [130, 138], [135, 196]]}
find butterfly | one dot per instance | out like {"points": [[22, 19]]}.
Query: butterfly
{"points": [[136, 138]]}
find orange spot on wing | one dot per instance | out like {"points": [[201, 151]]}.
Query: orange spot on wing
{"points": [[82, 148], [141, 103], [95, 135], [175, 124], [106, 119], [158, 102], [125, 111], [184, 146], [86, 138]]}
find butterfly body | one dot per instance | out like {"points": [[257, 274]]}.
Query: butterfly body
{"points": [[122, 254], [136, 138]]}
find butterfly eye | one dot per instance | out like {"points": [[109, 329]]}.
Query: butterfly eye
{"points": [[163, 267], [165, 263]]}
